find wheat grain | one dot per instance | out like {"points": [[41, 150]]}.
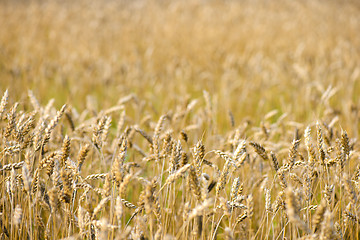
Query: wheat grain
{"points": [[82, 155], [260, 150], [319, 215], [3, 103], [179, 173], [100, 206]]}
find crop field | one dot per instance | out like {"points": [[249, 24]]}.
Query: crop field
{"points": [[199, 119]]}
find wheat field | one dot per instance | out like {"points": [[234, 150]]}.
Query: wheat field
{"points": [[199, 119]]}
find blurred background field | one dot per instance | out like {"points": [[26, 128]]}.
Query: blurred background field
{"points": [[251, 56]]}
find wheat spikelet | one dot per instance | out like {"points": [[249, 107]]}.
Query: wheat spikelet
{"points": [[356, 175], [281, 176], [264, 130], [240, 155], [125, 182], [293, 152], [70, 120], [157, 209], [268, 200], [250, 206], [149, 198], [351, 216], [307, 187], [67, 190], [123, 145], [241, 218], [98, 131], [10, 166], [319, 215], [129, 133], [236, 203], [167, 143], [11, 150], [96, 176], [83, 185], [140, 228], [39, 222], [199, 154], [3, 103], [345, 143], [224, 206], [49, 164], [240, 190], [34, 102], [340, 157], [350, 190], [11, 117], [82, 155], [184, 136], [274, 161], [100, 206], [224, 156], [179, 173], [223, 178], [156, 136], [120, 123], [204, 179], [65, 151], [51, 126], [329, 189], [107, 186], [260, 150], [10, 184], [175, 156], [186, 211], [23, 130], [117, 168], [128, 204], [338, 231], [35, 182], [37, 136], [105, 130], [236, 139], [194, 183], [184, 159], [234, 188], [309, 146], [130, 165], [144, 134], [320, 142], [296, 178]]}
